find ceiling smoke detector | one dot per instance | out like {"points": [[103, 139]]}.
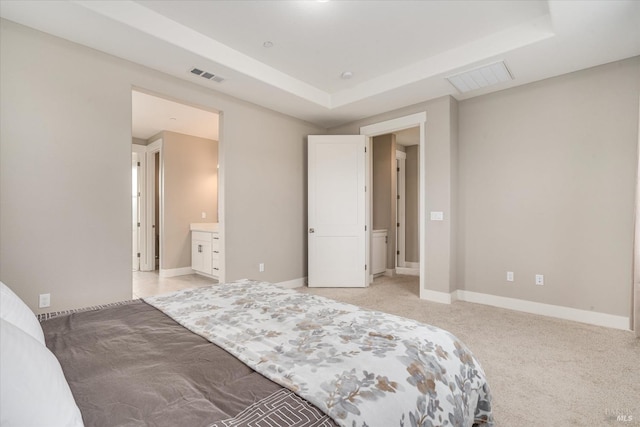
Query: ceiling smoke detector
{"points": [[207, 75], [487, 75], [346, 75]]}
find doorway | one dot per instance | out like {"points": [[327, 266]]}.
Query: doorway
{"points": [[417, 122], [175, 148], [394, 207]]}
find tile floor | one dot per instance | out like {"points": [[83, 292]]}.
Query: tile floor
{"points": [[148, 283]]}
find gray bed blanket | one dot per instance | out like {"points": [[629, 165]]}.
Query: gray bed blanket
{"points": [[131, 365]]}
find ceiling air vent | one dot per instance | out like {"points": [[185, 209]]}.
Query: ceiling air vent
{"points": [[487, 75], [207, 75]]}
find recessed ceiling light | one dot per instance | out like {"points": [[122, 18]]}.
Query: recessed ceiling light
{"points": [[346, 75], [267, 44]]}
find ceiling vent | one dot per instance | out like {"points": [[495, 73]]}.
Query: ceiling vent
{"points": [[487, 75], [207, 75]]}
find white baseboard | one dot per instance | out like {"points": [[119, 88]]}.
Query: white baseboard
{"points": [[435, 296], [295, 283], [388, 273], [410, 264], [560, 312], [172, 272], [409, 271]]}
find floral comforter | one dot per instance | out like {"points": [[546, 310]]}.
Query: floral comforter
{"points": [[363, 368]]}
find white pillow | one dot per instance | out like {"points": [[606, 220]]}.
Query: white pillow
{"points": [[33, 390], [14, 310]]}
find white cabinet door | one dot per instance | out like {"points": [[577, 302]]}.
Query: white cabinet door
{"points": [[337, 211], [201, 254], [197, 262], [379, 255]]}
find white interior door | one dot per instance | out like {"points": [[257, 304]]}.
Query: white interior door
{"points": [[135, 220], [154, 205], [337, 211], [401, 202]]}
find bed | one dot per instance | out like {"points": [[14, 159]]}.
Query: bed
{"points": [[253, 354]]}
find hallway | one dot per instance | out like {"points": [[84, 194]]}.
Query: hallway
{"points": [[149, 283]]}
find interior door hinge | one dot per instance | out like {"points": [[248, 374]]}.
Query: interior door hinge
{"points": [[365, 228], [138, 254], [398, 224], [398, 197], [398, 169], [365, 149], [138, 164], [138, 224], [365, 266], [398, 253]]}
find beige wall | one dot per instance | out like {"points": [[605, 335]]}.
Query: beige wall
{"points": [[385, 191], [190, 177], [441, 194], [543, 179], [65, 159], [547, 175], [412, 247]]}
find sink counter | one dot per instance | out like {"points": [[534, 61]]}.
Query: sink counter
{"points": [[211, 227]]}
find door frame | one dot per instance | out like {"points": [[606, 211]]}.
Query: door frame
{"points": [[394, 125], [147, 259]]}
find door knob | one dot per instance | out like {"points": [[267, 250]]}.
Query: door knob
{"points": [[311, 230]]}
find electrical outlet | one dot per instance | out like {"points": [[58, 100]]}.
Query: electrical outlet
{"points": [[261, 267], [44, 300], [509, 276], [204, 215], [539, 279]]}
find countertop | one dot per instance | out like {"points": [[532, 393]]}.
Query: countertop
{"points": [[204, 226]]}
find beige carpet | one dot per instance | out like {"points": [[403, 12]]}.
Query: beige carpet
{"points": [[542, 371]]}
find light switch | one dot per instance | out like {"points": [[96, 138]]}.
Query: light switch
{"points": [[437, 216], [204, 215]]}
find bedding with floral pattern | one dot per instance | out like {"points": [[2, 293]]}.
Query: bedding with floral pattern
{"points": [[363, 368]]}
